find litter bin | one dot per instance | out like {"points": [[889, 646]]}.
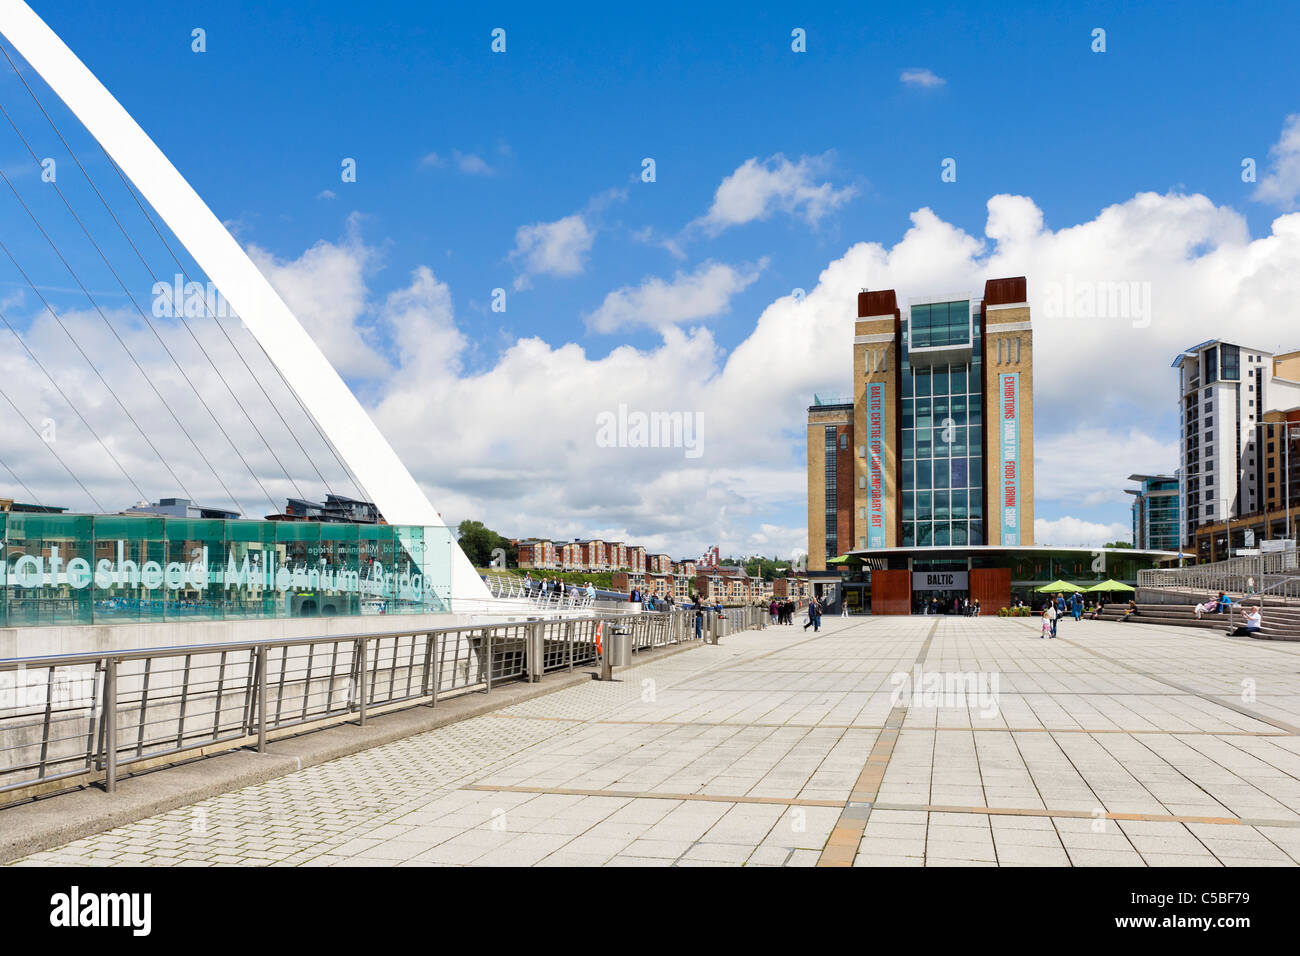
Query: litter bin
{"points": [[618, 649]]}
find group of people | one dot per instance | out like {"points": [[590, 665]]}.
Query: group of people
{"points": [[964, 607], [782, 611], [1252, 618], [1054, 609], [1220, 605], [545, 588]]}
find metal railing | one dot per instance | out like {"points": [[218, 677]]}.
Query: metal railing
{"points": [[510, 588], [77, 719], [1272, 573]]}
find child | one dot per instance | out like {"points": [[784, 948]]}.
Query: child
{"points": [[1049, 618]]}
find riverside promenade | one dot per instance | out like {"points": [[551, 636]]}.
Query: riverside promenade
{"points": [[923, 741]]}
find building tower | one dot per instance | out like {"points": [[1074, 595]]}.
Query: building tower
{"points": [[940, 431]]}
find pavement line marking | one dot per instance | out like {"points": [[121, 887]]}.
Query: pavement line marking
{"points": [[964, 730], [1072, 814], [657, 795], [921, 807], [842, 846]]}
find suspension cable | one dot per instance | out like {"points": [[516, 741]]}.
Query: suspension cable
{"points": [[76, 411], [348, 473], [57, 457], [152, 329], [179, 313]]}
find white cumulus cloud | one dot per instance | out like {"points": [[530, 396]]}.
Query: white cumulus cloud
{"points": [[922, 77], [760, 188], [685, 298], [1069, 532], [556, 248], [1281, 184]]}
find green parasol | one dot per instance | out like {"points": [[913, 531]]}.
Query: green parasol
{"points": [[1110, 585], [1057, 587]]}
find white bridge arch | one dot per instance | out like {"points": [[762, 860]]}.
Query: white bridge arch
{"points": [[322, 390]]}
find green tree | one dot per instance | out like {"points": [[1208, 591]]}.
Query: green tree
{"points": [[479, 542]]}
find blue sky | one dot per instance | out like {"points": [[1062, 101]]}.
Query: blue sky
{"points": [[559, 124]]}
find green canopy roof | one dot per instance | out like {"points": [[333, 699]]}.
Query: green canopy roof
{"points": [[1110, 585], [1057, 587]]}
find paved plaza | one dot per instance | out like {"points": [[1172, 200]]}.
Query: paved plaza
{"points": [[1114, 745]]}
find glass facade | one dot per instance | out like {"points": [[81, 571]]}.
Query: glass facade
{"points": [[1157, 515], [110, 569], [940, 324], [942, 453], [1231, 363]]}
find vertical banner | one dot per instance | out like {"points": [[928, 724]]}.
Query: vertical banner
{"points": [[875, 466], [1009, 403]]}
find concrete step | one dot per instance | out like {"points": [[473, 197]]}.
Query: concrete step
{"points": [[1275, 627]]}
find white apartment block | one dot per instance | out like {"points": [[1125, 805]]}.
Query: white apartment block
{"points": [[1224, 390]]}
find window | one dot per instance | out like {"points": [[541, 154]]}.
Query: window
{"points": [[939, 324], [1231, 362]]}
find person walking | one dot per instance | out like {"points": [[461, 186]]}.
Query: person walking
{"points": [[699, 618], [1060, 612], [772, 609], [1076, 603], [1049, 619], [813, 620]]}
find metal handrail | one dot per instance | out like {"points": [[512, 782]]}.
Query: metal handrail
{"points": [[77, 719], [1268, 572]]}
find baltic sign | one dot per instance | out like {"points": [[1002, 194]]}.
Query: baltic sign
{"points": [[939, 580], [875, 465]]}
